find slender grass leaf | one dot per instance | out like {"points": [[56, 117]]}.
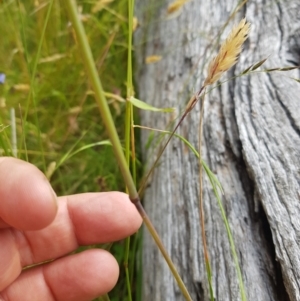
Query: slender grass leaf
{"points": [[114, 96], [5, 142], [2, 127], [258, 64], [52, 58], [210, 174], [217, 186], [296, 79], [144, 106], [247, 70], [69, 154], [289, 68], [282, 69], [50, 170], [272, 69]]}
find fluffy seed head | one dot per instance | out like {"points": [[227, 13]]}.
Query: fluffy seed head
{"points": [[229, 52]]}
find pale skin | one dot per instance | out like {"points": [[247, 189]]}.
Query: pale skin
{"points": [[36, 226]]}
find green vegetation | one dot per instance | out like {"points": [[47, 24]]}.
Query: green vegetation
{"points": [[60, 111], [57, 121]]}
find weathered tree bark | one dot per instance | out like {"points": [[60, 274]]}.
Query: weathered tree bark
{"points": [[251, 141]]}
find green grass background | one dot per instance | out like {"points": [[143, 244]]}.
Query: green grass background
{"points": [[56, 113]]}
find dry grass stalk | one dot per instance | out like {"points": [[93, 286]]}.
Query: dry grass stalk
{"points": [[229, 52], [176, 5]]}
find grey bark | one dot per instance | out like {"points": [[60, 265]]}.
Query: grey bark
{"points": [[251, 141]]}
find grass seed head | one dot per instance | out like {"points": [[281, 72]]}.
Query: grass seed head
{"points": [[229, 52]]}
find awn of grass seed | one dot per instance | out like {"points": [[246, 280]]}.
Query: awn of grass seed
{"points": [[229, 52]]}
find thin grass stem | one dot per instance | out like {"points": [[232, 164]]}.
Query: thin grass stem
{"points": [[191, 104], [126, 255], [13, 132], [32, 71], [23, 133], [163, 250], [110, 127], [201, 210], [133, 156], [100, 98], [216, 186], [128, 132]]}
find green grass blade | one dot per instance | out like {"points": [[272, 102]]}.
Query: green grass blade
{"points": [[216, 188], [70, 154], [128, 137], [32, 71], [110, 127], [145, 106]]}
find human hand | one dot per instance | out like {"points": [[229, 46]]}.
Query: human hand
{"points": [[36, 226]]}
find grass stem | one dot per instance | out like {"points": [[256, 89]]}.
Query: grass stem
{"points": [[201, 210], [159, 243], [100, 97], [191, 104], [110, 127]]}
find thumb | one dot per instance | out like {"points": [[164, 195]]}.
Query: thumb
{"points": [[27, 200]]}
